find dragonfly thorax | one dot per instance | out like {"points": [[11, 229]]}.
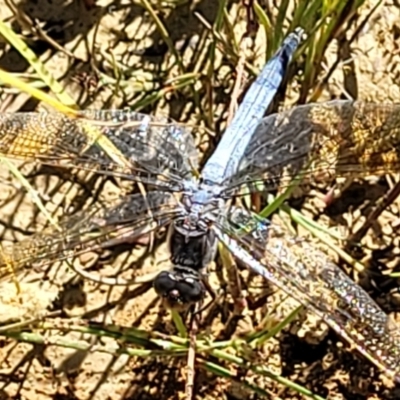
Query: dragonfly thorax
{"points": [[202, 208], [193, 249]]}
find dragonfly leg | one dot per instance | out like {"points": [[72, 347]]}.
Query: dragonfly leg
{"points": [[211, 292]]}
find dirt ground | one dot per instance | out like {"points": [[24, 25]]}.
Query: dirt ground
{"points": [[306, 352]]}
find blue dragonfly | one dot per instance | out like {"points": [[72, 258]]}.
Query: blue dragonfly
{"points": [[336, 138]]}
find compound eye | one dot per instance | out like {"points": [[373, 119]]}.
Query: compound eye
{"points": [[191, 291], [163, 283], [177, 290]]}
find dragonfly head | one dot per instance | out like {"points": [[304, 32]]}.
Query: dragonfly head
{"points": [[179, 289]]}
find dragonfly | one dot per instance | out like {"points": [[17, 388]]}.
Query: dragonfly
{"points": [[332, 139]]}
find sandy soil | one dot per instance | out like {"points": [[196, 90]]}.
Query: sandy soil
{"points": [[306, 352]]}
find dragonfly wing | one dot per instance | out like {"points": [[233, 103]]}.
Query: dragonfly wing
{"points": [[336, 138], [99, 227], [307, 275], [225, 159], [152, 149]]}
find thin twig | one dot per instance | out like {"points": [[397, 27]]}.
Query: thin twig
{"points": [[191, 358], [384, 203]]}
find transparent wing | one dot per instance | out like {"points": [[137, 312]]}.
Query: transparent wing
{"points": [[101, 226], [335, 138], [307, 275], [154, 150], [225, 159]]}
